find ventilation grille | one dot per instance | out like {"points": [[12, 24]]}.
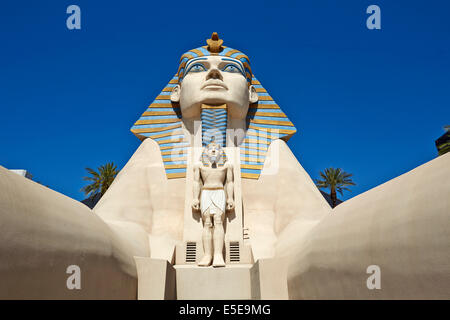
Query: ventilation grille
{"points": [[234, 252], [191, 252]]}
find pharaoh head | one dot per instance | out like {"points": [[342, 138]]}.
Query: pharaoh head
{"points": [[216, 85], [213, 153], [214, 75]]}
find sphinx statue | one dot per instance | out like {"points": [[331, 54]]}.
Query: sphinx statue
{"points": [[265, 214], [273, 187]]}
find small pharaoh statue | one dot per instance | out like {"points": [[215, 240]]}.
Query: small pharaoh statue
{"points": [[213, 199]]}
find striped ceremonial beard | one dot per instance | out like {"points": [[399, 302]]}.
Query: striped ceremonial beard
{"points": [[214, 124], [213, 159]]}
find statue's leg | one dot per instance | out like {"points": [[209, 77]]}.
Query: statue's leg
{"points": [[207, 240], [219, 236]]}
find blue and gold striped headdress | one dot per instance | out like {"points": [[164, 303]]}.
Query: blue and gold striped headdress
{"points": [[214, 48], [162, 119], [223, 156]]}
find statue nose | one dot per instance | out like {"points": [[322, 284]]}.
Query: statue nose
{"points": [[214, 74]]}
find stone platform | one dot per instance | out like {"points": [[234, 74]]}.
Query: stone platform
{"points": [[158, 279], [200, 283]]}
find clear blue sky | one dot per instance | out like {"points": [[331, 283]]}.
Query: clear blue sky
{"points": [[369, 101]]}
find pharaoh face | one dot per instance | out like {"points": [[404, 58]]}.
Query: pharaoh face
{"points": [[213, 152], [214, 80]]}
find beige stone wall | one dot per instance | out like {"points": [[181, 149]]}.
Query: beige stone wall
{"points": [[283, 198], [141, 194], [42, 232], [402, 226]]}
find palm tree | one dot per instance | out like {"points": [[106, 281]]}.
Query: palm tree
{"points": [[336, 180], [101, 180]]}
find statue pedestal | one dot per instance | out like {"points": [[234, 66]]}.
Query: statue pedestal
{"points": [[208, 283], [190, 253], [156, 279], [159, 280], [233, 282]]}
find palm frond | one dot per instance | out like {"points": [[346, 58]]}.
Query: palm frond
{"points": [[335, 179], [101, 179]]}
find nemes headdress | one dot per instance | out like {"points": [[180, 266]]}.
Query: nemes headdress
{"points": [[222, 157], [214, 48], [162, 119]]}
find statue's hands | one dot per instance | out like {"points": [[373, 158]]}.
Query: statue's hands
{"points": [[230, 204], [195, 204]]}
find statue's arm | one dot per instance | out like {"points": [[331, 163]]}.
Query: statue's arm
{"points": [[196, 188], [230, 187]]}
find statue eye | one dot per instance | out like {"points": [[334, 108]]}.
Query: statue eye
{"points": [[231, 68], [197, 68]]}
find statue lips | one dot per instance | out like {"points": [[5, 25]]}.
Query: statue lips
{"points": [[214, 85]]}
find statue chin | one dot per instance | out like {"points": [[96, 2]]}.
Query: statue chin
{"points": [[213, 159]]}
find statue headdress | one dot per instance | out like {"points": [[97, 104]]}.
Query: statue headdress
{"points": [[162, 119], [223, 155], [214, 48]]}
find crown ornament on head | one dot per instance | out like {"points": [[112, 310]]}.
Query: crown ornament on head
{"points": [[214, 47], [214, 44]]}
